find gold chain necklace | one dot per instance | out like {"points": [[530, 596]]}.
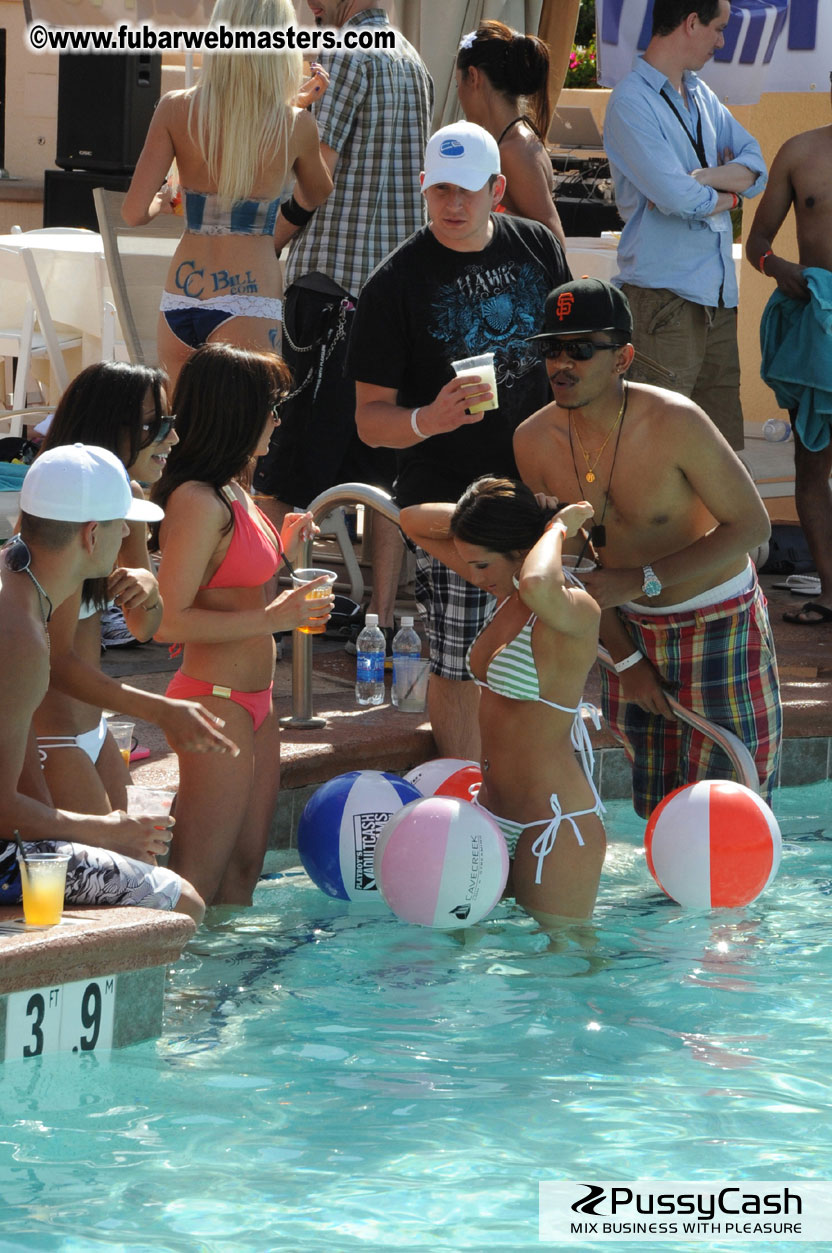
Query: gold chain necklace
{"points": [[590, 469]]}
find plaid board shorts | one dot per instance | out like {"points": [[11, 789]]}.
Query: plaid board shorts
{"points": [[456, 612], [718, 661], [95, 876]]}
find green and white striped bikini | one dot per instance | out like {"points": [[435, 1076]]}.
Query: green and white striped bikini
{"points": [[512, 673]]}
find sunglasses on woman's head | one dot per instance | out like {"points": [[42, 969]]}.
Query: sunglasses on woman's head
{"points": [[577, 349], [167, 423]]}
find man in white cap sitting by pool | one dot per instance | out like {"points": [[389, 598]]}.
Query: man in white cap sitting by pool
{"points": [[75, 502]]}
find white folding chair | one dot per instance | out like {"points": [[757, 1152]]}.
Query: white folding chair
{"points": [[137, 259], [28, 331]]}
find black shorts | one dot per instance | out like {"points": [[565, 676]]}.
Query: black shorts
{"points": [[317, 444]]}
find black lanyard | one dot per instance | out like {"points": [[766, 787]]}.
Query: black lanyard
{"points": [[698, 145]]}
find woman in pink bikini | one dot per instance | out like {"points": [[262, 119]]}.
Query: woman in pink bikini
{"points": [[219, 553], [239, 140], [531, 662]]}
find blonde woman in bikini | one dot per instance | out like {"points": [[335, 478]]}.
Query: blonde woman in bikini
{"points": [[238, 140], [530, 662]]}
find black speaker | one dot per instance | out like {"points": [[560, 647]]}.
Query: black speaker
{"points": [[67, 196], [105, 103]]}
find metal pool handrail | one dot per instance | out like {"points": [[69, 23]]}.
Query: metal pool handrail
{"points": [[332, 498], [382, 502], [734, 749]]}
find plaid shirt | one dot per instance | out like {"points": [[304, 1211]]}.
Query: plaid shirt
{"points": [[376, 115]]}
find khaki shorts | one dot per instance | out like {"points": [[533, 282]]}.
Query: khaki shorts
{"points": [[691, 349]]}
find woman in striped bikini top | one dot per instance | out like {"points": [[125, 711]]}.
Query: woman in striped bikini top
{"points": [[531, 661]]}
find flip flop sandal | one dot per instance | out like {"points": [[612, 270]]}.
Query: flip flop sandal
{"points": [[138, 752], [818, 615], [801, 585]]}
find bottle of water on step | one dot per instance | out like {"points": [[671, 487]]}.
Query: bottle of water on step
{"points": [[777, 430], [406, 643], [369, 668]]}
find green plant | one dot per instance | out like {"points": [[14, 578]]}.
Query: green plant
{"points": [[582, 67], [585, 32]]}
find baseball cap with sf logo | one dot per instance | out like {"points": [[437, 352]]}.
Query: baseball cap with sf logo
{"points": [[585, 305]]}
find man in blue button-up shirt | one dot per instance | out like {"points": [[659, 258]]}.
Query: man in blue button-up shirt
{"points": [[680, 163]]}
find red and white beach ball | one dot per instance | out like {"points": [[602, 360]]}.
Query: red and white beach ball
{"points": [[713, 844], [446, 776], [339, 826], [441, 862]]}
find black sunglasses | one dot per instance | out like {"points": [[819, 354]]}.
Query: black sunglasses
{"points": [[577, 349], [16, 555], [167, 423]]}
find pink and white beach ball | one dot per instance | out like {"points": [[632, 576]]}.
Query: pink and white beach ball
{"points": [[441, 862], [339, 826], [713, 844], [446, 776]]}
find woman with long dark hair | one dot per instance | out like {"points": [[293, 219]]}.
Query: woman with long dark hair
{"points": [[502, 80], [122, 408], [531, 662], [219, 552]]}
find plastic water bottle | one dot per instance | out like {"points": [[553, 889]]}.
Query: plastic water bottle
{"points": [[369, 669], [406, 643], [777, 431]]}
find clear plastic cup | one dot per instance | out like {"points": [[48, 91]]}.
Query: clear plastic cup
{"points": [[149, 802], [481, 367], [411, 680], [43, 880], [299, 577], [122, 733], [569, 561]]}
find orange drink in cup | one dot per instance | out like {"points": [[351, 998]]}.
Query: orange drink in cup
{"points": [[122, 733], [43, 881], [299, 577]]}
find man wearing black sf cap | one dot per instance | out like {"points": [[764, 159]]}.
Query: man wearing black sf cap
{"points": [[676, 515]]}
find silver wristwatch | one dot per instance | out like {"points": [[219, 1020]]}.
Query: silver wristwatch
{"points": [[651, 585]]}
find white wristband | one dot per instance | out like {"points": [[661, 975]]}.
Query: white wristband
{"points": [[556, 525], [634, 658], [415, 426]]}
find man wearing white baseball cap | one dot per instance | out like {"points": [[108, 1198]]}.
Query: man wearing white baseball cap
{"points": [[75, 501], [472, 282]]}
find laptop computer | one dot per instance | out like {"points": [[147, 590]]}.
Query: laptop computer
{"points": [[575, 127]]}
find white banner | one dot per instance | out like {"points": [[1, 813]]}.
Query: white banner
{"points": [[770, 45], [647, 1211]]}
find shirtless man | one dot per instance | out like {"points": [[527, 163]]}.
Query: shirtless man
{"points": [[74, 503], [801, 177], [676, 515]]}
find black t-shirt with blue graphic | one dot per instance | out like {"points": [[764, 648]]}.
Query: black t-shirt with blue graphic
{"points": [[427, 305]]}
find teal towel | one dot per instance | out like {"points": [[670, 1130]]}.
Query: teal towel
{"points": [[796, 346], [11, 476]]}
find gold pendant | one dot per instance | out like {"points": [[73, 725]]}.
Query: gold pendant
{"points": [[590, 477]]}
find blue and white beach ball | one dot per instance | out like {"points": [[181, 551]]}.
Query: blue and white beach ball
{"points": [[339, 827], [441, 862]]}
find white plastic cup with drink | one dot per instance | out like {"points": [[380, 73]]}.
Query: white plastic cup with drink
{"points": [[122, 733], [481, 367]]}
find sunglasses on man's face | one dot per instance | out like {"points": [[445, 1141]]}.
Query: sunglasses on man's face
{"points": [[577, 349], [167, 423]]}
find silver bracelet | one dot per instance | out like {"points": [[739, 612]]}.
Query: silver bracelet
{"points": [[414, 424], [634, 658]]}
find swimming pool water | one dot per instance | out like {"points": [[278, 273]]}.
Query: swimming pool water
{"points": [[332, 1080]]}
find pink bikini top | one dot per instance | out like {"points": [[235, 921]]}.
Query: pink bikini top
{"points": [[251, 558]]}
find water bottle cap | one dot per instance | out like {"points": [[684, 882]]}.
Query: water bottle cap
{"points": [[406, 622], [371, 619]]}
